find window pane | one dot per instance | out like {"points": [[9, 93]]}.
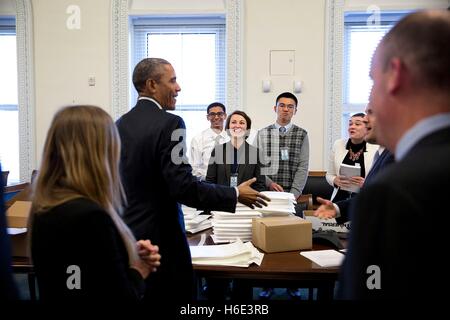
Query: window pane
{"points": [[361, 47], [9, 115], [8, 67], [195, 122], [193, 57], [195, 46], [9, 144]]}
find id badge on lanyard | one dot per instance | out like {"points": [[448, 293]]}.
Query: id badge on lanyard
{"points": [[284, 153], [233, 180]]}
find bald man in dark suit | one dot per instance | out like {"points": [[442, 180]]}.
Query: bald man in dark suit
{"points": [[393, 242]]}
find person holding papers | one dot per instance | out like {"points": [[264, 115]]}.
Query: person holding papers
{"points": [[354, 152], [383, 158]]}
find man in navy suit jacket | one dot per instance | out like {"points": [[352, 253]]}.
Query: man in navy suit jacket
{"points": [[340, 209], [8, 290], [157, 176], [395, 232]]}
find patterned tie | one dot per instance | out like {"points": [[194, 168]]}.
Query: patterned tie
{"points": [[282, 129]]}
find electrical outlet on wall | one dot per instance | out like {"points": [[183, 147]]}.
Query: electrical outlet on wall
{"points": [[91, 81]]}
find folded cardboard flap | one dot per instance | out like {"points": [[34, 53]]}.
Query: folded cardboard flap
{"points": [[278, 234], [17, 217]]}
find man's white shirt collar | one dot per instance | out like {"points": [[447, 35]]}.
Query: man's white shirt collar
{"points": [[152, 100], [421, 129], [288, 126]]}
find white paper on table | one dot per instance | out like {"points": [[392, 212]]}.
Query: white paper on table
{"points": [[199, 227], [235, 254], [197, 219], [324, 258], [14, 231]]}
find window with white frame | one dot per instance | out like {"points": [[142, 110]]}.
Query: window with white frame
{"points": [[195, 46], [9, 113], [362, 33]]}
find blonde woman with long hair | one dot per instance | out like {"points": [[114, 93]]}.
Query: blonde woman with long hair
{"points": [[81, 248]]}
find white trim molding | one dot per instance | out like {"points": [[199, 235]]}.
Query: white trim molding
{"points": [[120, 53], [334, 27], [234, 35], [25, 76]]}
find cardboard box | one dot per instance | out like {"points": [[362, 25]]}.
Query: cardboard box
{"points": [[278, 234], [17, 217], [325, 224]]}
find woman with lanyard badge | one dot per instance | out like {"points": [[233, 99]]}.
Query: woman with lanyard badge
{"points": [[230, 164], [236, 161]]}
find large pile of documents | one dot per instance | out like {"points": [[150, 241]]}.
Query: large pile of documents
{"points": [[281, 204], [194, 221], [236, 254], [228, 227]]}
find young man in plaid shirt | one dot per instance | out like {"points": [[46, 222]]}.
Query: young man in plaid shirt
{"points": [[284, 149]]}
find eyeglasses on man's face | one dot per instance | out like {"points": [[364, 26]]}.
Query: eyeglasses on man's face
{"points": [[214, 114], [289, 106]]}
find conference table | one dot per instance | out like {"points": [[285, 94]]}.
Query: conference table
{"points": [[277, 270]]}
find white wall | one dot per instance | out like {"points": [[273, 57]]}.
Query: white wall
{"points": [[64, 58], [7, 7], [176, 6], [395, 4], [287, 25]]}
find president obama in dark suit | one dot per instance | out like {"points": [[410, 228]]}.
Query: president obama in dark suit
{"points": [[157, 177]]}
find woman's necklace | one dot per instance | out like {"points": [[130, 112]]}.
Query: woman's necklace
{"points": [[354, 156]]}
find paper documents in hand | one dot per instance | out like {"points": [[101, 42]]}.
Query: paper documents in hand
{"points": [[236, 254], [324, 258], [350, 171]]}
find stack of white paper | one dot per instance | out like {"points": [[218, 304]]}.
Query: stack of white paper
{"points": [[193, 221], [281, 204], [324, 258], [236, 254], [228, 227]]}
